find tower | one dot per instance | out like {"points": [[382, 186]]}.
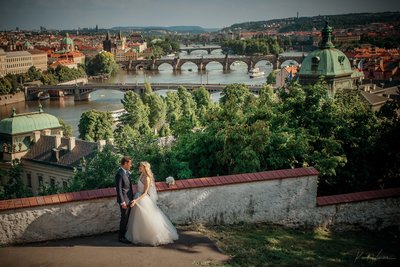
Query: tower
{"points": [[107, 43], [121, 41]]}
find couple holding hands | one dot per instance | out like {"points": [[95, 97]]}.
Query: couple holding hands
{"points": [[142, 221]]}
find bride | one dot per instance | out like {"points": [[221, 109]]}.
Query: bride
{"points": [[147, 223]]}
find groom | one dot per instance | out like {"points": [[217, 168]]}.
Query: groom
{"points": [[123, 185]]}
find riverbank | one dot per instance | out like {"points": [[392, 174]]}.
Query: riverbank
{"points": [[9, 99]]}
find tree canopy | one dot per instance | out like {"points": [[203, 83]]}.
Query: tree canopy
{"points": [[353, 147], [102, 64], [95, 125]]}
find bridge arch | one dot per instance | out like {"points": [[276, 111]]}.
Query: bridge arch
{"points": [[205, 63], [289, 62], [186, 63], [158, 65]]}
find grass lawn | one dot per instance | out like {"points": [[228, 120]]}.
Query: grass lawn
{"points": [[271, 245]]}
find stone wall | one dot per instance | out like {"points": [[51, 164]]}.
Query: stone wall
{"points": [[12, 98], [286, 197], [59, 221], [285, 201]]}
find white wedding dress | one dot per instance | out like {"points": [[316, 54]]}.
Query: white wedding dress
{"points": [[147, 224]]}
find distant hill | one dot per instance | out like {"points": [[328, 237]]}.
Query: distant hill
{"points": [[308, 23], [181, 29]]}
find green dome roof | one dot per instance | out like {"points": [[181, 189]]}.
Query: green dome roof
{"points": [[27, 44], [28, 122], [67, 40], [327, 60]]}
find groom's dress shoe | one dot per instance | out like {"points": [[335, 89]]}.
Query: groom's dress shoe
{"points": [[124, 240]]}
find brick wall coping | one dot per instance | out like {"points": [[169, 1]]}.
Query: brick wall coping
{"points": [[161, 186], [358, 196]]}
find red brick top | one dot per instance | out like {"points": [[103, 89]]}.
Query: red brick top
{"points": [[161, 186], [359, 196]]}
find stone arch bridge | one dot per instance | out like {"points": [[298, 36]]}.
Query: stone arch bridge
{"points": [[82, 92], [201, 62], [208, 48]]}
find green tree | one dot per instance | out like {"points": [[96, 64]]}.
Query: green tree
{"points": [[271, 78], [156, 107], [250, 47], [157, 112], [95, 125], [203, 103], [102, 64], [137, 113], [5, 86], [67, 129], [173, 108], [49, 79], [233, 100], [98, 172], [34, 74], [188, 119], [14, 187]]}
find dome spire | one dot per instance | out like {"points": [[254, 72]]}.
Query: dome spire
{"points": [[326, 41]]}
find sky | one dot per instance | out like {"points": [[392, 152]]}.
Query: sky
{"points": [[74, 14]]}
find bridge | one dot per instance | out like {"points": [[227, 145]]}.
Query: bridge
{"points": [[201, 61], [208, 48], [82, 92]]}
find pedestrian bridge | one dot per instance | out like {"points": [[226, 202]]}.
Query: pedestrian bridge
{"points": [[82, 92]]}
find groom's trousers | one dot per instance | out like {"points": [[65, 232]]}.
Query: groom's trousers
{"points": [[124, 221]]}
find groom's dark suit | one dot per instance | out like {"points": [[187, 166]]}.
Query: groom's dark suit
{"points": [[123, 186]]}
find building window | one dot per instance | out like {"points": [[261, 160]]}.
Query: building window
{"points": [[315, 63], [65, 184], [29, 180], [52, 182], [40, 180]]}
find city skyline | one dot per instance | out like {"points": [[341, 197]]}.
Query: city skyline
{"points": [[74, 14]]}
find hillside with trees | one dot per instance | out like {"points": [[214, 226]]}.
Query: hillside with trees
{"points": [[307, 23]]}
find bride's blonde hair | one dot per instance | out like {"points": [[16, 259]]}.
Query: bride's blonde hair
{"points": [[152, 187], [147, 168]]}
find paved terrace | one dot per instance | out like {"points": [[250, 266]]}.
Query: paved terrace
{"points": [[192, 249]]}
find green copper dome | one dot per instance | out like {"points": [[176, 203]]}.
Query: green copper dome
{"points": [[28, 122], [327, 60], [66, 40]]}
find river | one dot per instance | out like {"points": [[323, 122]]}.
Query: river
{"points": [[105, 100]]}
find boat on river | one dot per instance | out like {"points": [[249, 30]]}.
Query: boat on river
{"points": [[256, 72], [43, 95]]}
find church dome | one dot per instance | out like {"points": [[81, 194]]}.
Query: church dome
{"points": [[28, 122], [327, 60], [67, 41]]}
